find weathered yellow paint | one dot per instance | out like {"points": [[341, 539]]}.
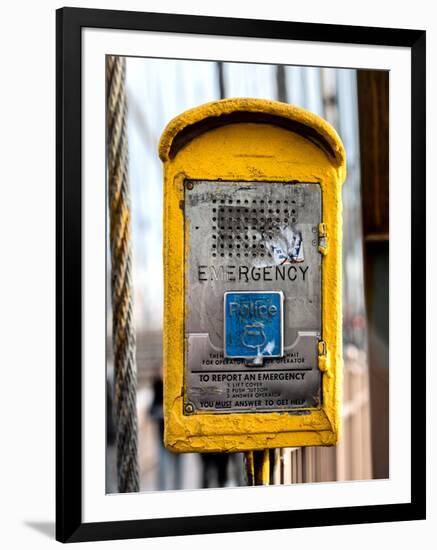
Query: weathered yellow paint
{"points": [[264, 469], [266, 141], [258, 467]]}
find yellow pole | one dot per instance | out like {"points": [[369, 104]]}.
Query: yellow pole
{"points": [[258, 467], [250, 469]]}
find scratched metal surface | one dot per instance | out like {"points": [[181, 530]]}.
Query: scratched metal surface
{"points": [[252, 236]]}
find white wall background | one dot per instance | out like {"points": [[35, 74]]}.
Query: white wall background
{"points": [[27, 274]]}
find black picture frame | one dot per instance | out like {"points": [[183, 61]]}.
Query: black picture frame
{"points": [[69, 25]]}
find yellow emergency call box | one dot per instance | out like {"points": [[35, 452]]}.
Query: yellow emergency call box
{"points": [[252, 271]]}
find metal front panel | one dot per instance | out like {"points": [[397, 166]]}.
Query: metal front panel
{"points": [[252, 237]]}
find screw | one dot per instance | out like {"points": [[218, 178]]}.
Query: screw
{"points": [[189, 408], [190, 185]]}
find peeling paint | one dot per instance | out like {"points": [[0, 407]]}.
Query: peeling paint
{"points": [[287, 246]]}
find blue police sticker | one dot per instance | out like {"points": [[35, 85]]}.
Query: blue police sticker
{"points": [[253, 325]]}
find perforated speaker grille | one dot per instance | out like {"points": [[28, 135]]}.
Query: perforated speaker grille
{"points": [[242, 227]]}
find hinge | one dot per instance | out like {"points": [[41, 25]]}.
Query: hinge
{"points": [[323, 238], [321, 348], [322, 355]]}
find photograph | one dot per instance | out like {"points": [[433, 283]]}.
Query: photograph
{"points": [[256, 244], [215, 275]]}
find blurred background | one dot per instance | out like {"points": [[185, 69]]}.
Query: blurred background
{"points": [[356, 104]]}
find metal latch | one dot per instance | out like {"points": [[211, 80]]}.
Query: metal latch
{"points": [[321, 348], [323, 238]]}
